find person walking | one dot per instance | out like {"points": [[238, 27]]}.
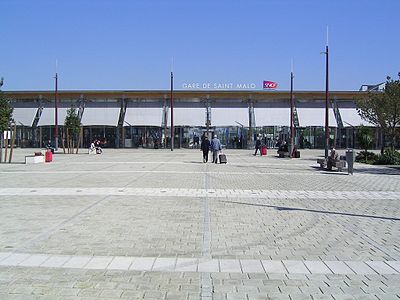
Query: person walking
{"points": [[205, 147], [258, 146], [215, 148]]}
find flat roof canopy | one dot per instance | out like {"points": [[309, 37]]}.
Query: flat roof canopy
{"points": [[229, 116], [315, 116], [272, 114], [188, 114], [102, 116], [47, 118], [144, 114], [24, 116]]}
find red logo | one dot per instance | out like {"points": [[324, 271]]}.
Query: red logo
{"points": [[269, 84]]}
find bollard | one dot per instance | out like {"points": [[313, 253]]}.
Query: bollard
{"points": [[350, 161]]}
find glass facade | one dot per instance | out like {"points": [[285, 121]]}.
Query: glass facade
{"points": [[120, 121]]}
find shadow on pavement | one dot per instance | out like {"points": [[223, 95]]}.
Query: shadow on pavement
{"points": [[285, 208], [378, 170]]}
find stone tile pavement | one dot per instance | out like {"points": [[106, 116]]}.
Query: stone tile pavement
{"points": [[156, 224]]}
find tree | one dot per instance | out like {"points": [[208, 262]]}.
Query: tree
{"points": [[383, 109], [72, 124], [365, 139], [5, 118]]}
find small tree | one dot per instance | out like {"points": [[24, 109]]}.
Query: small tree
{"points": [[365, 139], [5, 119], [72, 125], [383, 109]]}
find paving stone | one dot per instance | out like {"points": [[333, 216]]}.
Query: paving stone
{"points": [[252, 266], [273, 266], [230, 266], [142, 263], [208, 265], [317, 267], [296, 267], [55, 261], [98, 262], [338, 267], [360, 267], [381, 267]]}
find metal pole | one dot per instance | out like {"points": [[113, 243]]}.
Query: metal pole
{"points": [[291, 115], [327, 103], [56, 115], [172, 112]]}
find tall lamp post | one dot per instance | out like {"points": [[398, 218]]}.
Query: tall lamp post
{"points": [[291, 113], [172, 110], [326, 96], [56, 112]]}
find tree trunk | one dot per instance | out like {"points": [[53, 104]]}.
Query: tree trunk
{"points": [[63, 141], [79, 140], [68, 140], [12, 142], [1, 147], [6, 147]]}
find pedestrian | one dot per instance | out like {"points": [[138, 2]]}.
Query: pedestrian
{"points": [[258, 146], [333, 156], [98, 147], [205, 147], [215, 148]]}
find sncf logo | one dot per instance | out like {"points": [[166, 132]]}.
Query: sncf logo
{"points": [[269, 85]]}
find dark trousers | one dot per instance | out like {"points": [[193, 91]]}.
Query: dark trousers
{"points": [[205, 156], [258, 149]]}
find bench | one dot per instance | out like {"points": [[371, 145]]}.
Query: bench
{"points": [[339, 164], [34, 159], [283, 154]]}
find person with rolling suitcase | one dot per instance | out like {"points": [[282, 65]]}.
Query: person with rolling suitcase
{"points": [[215, 148]]}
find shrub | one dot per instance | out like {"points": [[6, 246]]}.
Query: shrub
{"points": [[389, 157], [366, 157]]}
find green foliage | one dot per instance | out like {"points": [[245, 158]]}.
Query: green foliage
{"points": [[5, 112], [366, 157], [383, 109], [72, 121], [389, 157]]}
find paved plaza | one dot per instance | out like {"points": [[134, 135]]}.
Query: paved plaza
{"points": [[156, 224]]}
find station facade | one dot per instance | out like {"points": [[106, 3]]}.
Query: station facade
{"points": [[132, 119]]}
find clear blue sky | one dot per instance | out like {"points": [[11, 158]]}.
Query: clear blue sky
{"points": [[116, 44]]}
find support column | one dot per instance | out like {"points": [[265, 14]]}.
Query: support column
{"points": [[252, 124], [165, 121], [120, 136], [208, 117], [35, 124]]}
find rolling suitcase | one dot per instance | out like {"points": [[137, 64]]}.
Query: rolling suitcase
{"points": [[222, 159], [263, 150]]}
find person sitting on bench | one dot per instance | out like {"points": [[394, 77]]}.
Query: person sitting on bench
{"points": [[332, 158]]}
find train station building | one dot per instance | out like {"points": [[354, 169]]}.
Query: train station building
{"points": [[131, 119]]}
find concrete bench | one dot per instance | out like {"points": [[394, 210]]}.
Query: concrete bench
{"points": [[339, 164], [283, 154], [34, 159]]}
